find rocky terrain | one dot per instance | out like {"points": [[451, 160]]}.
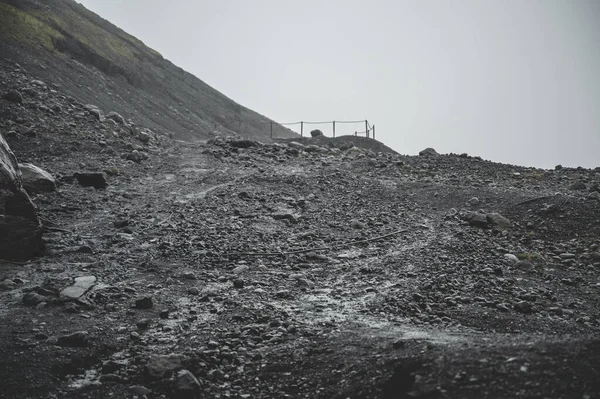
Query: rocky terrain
{"points": [[156, 242], [323, 269]]}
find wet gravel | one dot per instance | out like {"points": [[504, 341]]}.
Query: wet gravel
{"points": [[229, 269]]}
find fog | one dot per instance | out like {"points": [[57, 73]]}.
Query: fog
{"points": [[514, 81]]}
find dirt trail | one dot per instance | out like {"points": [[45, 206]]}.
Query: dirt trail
{"points": [[428, 312]]}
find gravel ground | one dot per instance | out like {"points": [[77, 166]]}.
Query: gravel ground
{"points": [[236, 269]]}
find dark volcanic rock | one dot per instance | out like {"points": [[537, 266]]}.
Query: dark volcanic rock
{"points": [[33, 298], [496, 219], [144, 302], [316, 133], [91, 179], [20, 229], [523, 307], [243, 143], [238, 283], [20, 238], [578, 185], [136, 156], [428, 152], [476, 219], [160, 366], [77, 339], [13, 96]]}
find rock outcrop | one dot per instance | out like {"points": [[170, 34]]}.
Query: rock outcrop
{"points": [[20, 228], [428, 152], [36, 180]]}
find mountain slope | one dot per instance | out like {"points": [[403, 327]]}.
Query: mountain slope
{"points": [[63, 42]]}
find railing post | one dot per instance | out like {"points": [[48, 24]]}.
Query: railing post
{"points": [[271, 130], [367, 128], [334, 129], [373, 132], [301, 129]]}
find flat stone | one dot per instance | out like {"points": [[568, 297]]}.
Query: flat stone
{"points": [[79, 288]]}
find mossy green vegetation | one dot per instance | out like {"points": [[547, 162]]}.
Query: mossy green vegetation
{"points": [[45, 26], [19, 26], [103, 43]]}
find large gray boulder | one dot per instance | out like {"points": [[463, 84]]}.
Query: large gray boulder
{"points": [[36, 180], [20, 228]]}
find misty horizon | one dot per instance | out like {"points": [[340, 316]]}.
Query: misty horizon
{"points": [[514, 82]]}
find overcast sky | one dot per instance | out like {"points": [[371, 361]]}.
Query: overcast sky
{"points": [[514, 81]]}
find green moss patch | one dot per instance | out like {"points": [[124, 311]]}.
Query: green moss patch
{"points": [[19, 26]]}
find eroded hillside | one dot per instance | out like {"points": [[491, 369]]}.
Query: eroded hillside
{"points": [[60, 41]]}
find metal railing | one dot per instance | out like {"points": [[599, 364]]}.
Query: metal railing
{"points": [[369, 131]]}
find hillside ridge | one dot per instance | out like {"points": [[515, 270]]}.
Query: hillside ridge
{"points": [[98, 63]]}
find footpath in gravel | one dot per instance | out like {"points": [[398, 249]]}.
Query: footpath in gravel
{"points": [[238, 269]]}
